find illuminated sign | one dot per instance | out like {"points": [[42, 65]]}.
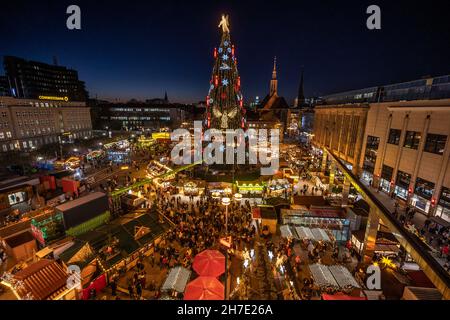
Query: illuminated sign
{"points": [[53, 98], [161, 135]]}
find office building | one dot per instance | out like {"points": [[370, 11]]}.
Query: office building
{"points": [[139, 116], [27, 124], [28, 79], [395, 137]]}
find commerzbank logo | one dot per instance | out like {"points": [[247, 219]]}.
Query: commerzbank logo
{"points": [[227, 146]]}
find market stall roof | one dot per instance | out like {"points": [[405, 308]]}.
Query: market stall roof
{"points": [[277, 201], [80, 201], [19, 239], [343, 277], [340, 296], [420, 279], [268, 212], [44, 279], [177, 279], [418, 293], [327, 211], [322, 276], [308, 201], [320, 234], [304, 233], [286, 231]]}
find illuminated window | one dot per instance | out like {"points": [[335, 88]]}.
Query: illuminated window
{"points": [[412, 139], [394, 136], [435, 143]]}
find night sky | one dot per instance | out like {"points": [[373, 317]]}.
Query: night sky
{"points": [[139, 49]]}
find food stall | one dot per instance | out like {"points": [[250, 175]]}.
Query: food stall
{"points": [[332, 219], [118, 152], [250, 189], [192, 188], [96, 154], [176, 281], [220, 189], [278, 188]]}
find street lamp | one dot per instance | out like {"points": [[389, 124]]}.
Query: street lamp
{"points": [[226, 202], [237, 196]]}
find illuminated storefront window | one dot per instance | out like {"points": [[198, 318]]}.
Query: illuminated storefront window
{"points": [[443, 207], [423, 192], [386, 177], [402, 184]]}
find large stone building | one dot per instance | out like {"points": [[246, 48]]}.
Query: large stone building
{"points": [[395, 137], [27, 124]]}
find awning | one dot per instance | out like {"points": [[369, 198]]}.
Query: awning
{"points": [[343, 277], [341, 296], [322, 276], [177, 279], [286, 232]]}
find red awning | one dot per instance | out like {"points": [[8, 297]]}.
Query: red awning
{"points": [[204, 288], [341, 296]]}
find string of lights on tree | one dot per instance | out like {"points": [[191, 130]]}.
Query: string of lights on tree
{"points": [[225, 101]]}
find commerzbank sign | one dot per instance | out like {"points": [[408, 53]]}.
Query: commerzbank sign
{"points": [[54, 98]]}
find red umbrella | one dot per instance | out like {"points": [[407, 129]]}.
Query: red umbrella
{"points": [[204, 288], [209, 263]]}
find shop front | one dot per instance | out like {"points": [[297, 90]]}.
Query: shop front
{"points": [[423, 192], [250, 189], [329, 218], [15, 195], [402, 185], [386, 178], [279, 188], [443, 206], [367, 176]]}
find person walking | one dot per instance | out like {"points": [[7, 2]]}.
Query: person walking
{"points": [[131, 291]]}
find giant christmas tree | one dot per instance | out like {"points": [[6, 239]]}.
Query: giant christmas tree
{"points": [[224, 101]]}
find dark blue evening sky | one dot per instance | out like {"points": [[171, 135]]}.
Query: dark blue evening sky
{"points": [[139, 49]]}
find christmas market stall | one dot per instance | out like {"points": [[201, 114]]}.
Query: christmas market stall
{"points": [[322, 276], [176, 281], [329, 218], [250, 189], [278, 188], [43, 280]]}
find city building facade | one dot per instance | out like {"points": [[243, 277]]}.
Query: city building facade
{"points": [[142, 115], [27, 124], [394, 137], [33, 80]]}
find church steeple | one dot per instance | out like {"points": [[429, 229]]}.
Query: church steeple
{"points": [[166, 99], [301, 93], [274, 81]]}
